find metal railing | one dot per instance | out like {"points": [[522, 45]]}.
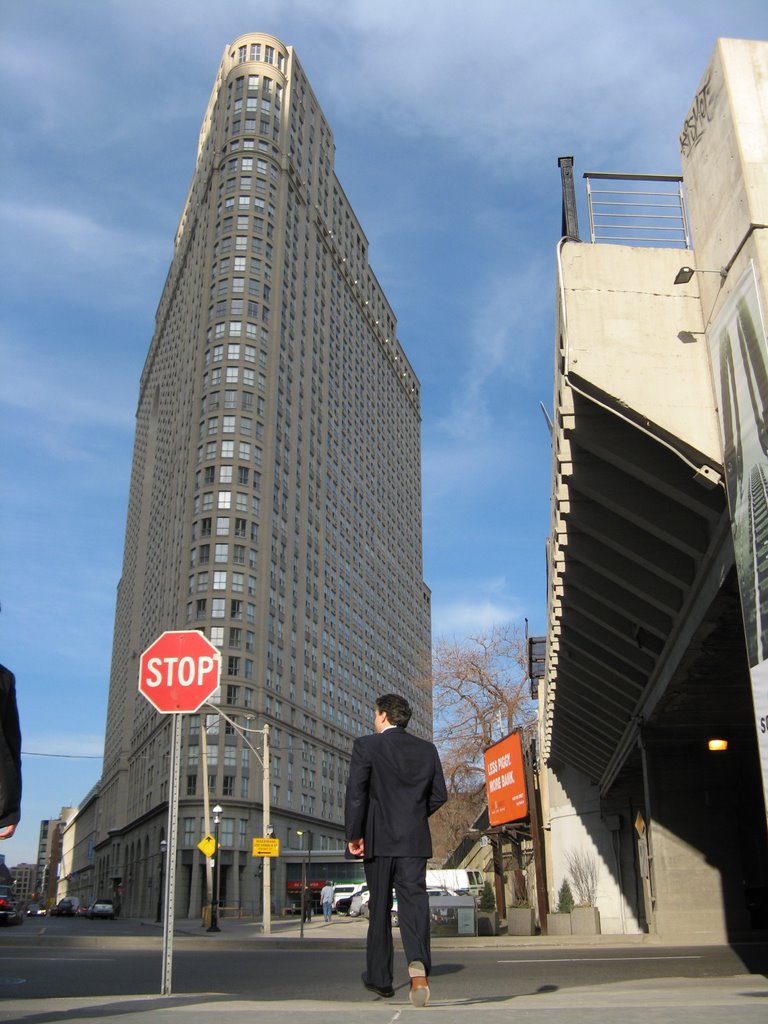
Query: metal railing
{"points": [[643, 209]]}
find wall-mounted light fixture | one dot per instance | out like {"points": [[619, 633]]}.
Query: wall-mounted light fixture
{"points": [[717, 744], [685, 274]]}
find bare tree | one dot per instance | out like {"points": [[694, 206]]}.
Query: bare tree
{"points": [[479, 693], [584, 871]]}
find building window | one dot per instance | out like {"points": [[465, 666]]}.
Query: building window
{"points": [[227, 832]]}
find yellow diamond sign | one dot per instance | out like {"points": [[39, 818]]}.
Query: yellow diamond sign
{"points": [[207, 845]]}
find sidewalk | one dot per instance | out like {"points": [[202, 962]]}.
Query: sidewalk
{"points": [[738, 1000]]}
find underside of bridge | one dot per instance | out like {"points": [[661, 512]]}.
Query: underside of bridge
{"points": [[649, 634]]}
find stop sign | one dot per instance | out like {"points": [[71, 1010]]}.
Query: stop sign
{"points": [[179, 671]]}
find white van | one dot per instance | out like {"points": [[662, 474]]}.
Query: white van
{"points": [[457, 880], [345, 891]]}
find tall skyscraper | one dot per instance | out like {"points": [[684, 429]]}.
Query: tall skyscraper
{"points": [[275, 497]]}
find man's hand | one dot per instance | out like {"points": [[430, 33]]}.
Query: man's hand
{"points": [[8, 831], [356, 847]]}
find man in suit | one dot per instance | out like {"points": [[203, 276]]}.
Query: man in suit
{"points": [[395, 783], [10, 756]]}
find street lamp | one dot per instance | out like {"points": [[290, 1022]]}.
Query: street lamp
{"points": [[214, 925], [163, 848], [305, 877], [263, 759]]}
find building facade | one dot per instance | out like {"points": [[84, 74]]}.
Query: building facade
{"points": [[653, 706], [49, 855], [275, 502], [24, 884]]}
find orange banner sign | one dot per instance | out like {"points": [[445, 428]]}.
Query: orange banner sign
{"points": [[505, 781]]}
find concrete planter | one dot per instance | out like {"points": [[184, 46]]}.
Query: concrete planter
{"points": [[558, 924], [487, 922], [521, 921], [585, 921]]}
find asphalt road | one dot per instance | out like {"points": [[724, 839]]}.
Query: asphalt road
{"points": [[50, 960]]}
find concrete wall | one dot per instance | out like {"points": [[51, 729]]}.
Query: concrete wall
{"points": [[633, 335], [724, 152], [576, 822], [696, 864]]}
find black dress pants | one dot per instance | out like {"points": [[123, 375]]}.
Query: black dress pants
{"points": [[407, 876]]}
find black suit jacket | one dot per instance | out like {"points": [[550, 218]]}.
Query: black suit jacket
{"points": [[395, 783], [10, 751]]}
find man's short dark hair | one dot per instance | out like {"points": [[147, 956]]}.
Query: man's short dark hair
{"points": [[396, 708]]}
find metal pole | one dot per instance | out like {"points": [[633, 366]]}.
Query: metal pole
{"points": [[170, 874], [309, 870], [266, 870], [214, 925], [303, 895], [163, 847], [206, 808]]}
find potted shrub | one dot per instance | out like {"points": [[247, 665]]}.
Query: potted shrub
{"points": [[559, 923], [583, 867], [521, 918], [487, 915]]}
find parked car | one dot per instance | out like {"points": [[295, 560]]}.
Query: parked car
{"points": [[65, 907], [82, 911], [9, 910], [358, 905], [102, 908], [35, 910], [343, 894]]}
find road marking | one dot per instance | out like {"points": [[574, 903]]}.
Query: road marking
{"points": [[62, 959], [592, 959]]}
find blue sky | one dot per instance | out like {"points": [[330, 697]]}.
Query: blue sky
{"points": [[448, 121]]}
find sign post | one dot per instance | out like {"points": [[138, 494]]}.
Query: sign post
{"points": [[178, 673]]}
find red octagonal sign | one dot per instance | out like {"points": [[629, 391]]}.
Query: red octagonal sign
{"points": [[179, 671]]}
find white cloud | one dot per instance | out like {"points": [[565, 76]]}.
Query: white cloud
{"points": [[84, 257], [486, 603], [62, 391]]}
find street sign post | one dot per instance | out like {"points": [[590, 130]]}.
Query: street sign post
{"points": [[178, 673]]}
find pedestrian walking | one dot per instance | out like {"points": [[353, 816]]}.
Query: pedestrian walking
{"points": [[326, 898], [395, 783]]}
